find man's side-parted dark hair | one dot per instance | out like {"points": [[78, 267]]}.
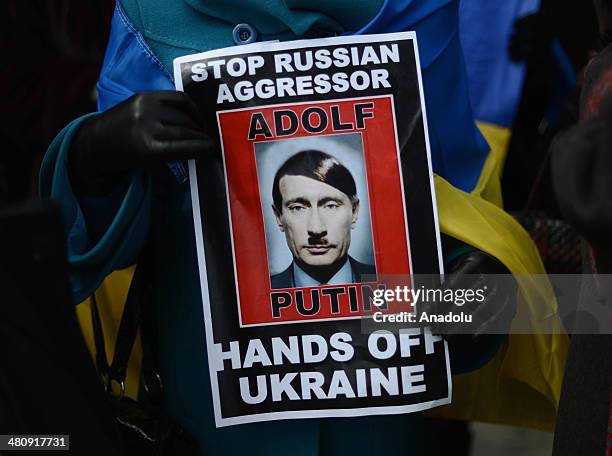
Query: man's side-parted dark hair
{"points": [[319, 166]]}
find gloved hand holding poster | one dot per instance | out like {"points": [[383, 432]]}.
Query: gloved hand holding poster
{"points": [[322, 188]]}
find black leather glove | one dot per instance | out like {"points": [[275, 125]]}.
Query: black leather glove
{"points": [[147, 129], [479, 271]]}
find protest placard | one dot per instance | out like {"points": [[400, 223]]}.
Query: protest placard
{"points": [[321, 188]]}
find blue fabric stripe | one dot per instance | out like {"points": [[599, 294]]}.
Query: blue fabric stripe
{"points": [[495, 81], [458, 150], [129, 65]]}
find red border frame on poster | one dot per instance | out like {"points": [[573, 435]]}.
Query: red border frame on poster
{"points": [[385, 186]]}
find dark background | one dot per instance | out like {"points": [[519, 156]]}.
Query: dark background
{"points": [[52, 52]]}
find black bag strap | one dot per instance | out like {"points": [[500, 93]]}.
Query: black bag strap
{"points": [[100, 346], [139, 295]]}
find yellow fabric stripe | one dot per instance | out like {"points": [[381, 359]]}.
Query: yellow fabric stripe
{"points": [[498, 139], [111, 298], [489, 186], [521, 386]]}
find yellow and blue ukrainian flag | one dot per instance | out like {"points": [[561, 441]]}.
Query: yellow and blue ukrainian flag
{"points": [[521, 384]]}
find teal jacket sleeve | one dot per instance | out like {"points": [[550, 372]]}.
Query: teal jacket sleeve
{"points": [[92, 256]]}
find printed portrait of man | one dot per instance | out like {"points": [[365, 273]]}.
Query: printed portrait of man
{"points": [[316, 207]]}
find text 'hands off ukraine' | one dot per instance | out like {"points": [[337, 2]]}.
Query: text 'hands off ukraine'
{"points": [[309, 207]]}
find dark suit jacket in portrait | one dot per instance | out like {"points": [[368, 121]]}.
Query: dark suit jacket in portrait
{"points": [[286, 278]]}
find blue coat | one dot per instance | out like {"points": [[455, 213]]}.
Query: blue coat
{"points": [[105, 234]]}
